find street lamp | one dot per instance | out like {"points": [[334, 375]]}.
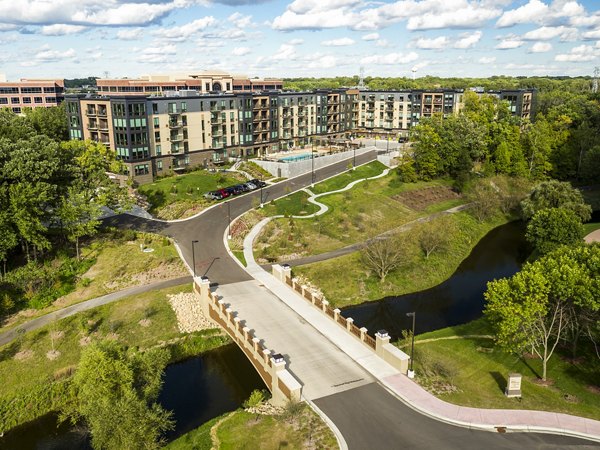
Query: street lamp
{"points": [[229, 220], [411, 372], [194, 257], [354, 159], [261, 190], [312, 158]]}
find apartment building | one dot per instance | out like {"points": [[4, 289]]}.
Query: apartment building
{"points": [[31, 93], [202, 82], [159, 135], [520, 102]]}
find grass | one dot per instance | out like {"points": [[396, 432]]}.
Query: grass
{"points": [[119, 320], [340, 181], [256, 431], [119, 263], [473, 372], [292, 205], [182, 195], [255, 170], [589, 227], [354, 216], [347, 281]]}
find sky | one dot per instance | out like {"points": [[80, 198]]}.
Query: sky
{"points": [[301, 38]]}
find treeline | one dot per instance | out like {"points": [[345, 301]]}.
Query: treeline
{"points": [[51, 193], [543, 84], [80, 82], [563, 142]]}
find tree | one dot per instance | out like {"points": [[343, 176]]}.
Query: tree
{"points": [[426, 150], [590, 165], [116, 396], [385, 255], [484, 199], [78, 215], [552, 227], [51, 122], [434, 235], [555, 194], [525, 317]]}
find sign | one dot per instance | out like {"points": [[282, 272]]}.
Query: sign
{"points": [[513, 388]]}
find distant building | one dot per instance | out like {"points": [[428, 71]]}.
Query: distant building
{"points": [[202, 82], [158, 135], [520, 102], [31, 93]]}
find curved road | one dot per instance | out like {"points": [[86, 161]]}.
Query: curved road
{"points": [[369, 417]]}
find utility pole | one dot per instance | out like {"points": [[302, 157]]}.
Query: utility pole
{"points": [[411, 372]]}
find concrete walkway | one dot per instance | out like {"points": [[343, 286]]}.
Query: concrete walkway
{"points": [[39, 322], [407, 390], [594, 236]]}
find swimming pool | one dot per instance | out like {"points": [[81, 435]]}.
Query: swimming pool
{"points": [[296, 157]]}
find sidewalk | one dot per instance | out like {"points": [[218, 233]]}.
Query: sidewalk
{"points": [[407, 390]]}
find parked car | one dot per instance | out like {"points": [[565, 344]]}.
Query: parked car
{"points": [[212, 195], [224, 193], [258, 183], [251, 186]]}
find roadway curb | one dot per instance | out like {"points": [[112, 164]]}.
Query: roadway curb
{"points": [[522, 428], [343, 445]]}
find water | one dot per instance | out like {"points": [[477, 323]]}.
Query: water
{"points": [[459, 299], [296, 157], [196, 390]]}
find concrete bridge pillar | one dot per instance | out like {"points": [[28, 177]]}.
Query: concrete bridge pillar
{"points": [[349, 323], [202, 287], [325, 303], [381, 338]]}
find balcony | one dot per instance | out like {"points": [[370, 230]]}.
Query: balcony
{"points": [[103, 126], [217, 132], [216, 118], [176, 137], [102, 112], [175, 124], [92, 127], [90, 112]]}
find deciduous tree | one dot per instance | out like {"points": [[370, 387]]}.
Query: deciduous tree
{"points": [[552, 227], [555, 194]]}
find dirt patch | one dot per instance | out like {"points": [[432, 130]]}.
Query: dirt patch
{"points": [[422, 198], [144, 323], [57, 335], [164, 271], [52, 355], [593, 389], [85, 341], [540, 382], [24, 355]]}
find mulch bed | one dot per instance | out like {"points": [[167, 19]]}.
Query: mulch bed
{"points": [[422, 198]]}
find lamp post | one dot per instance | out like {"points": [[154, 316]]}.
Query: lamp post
{"points": [[312, 158], [261, 190], [354, 158], [194, 257], [411, 372], [228, 220]]}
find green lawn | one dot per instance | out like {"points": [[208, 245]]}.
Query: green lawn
{"points": [[346, 280], [589, 227], [25, 367], [182, 195], [340, 181], [243, 430], [255, 170], [475, 372], [366, 210], [292, 205]]}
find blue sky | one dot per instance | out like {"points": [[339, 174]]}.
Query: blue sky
{"points": [[76, 38]]}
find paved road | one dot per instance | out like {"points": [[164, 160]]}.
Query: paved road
{"points": [[212, 259], [370, 418], [39, 322]]}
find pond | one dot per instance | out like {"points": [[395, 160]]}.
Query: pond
{"points": [[459, 299], [196, 390]]}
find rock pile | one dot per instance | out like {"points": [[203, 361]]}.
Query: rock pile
{"points": [[266, 409], [189, 313]]}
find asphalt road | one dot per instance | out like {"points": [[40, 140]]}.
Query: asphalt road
{"points": [[369, 417], [212, 259]]}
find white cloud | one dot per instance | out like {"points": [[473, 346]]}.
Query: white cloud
{"points": [[130, 34], [325, 62], [468, 40], [240, 21], [591, 35], [61, 29], [182, 32], [286, 51], [541, 47], [523, 14], [509, 42], [548, 33], [88, 12], [382, 43], [47, 55], [469, 16], [390, 58], [487, 60], [296, 42], [581, 53], [371, 37], [241, 51], [437, 43], [341, 42]]}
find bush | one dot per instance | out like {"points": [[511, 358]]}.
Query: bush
{"points": [[257, 397]]}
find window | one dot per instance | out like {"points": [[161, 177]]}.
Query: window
{"points": [[158, 149], [3, 101], [15, 100], [159, 165], [50, 99], [156, 122], [157, 136], [154, 108], [183, 106], [17, 110], [31, 90], [38, 99]]}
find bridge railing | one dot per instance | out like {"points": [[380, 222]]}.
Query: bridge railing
{"points": [[271, 366], [380, 343]]}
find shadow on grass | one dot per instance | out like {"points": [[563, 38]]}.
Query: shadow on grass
{"points": [[500, 380], [526, 363], [9, 351]]}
